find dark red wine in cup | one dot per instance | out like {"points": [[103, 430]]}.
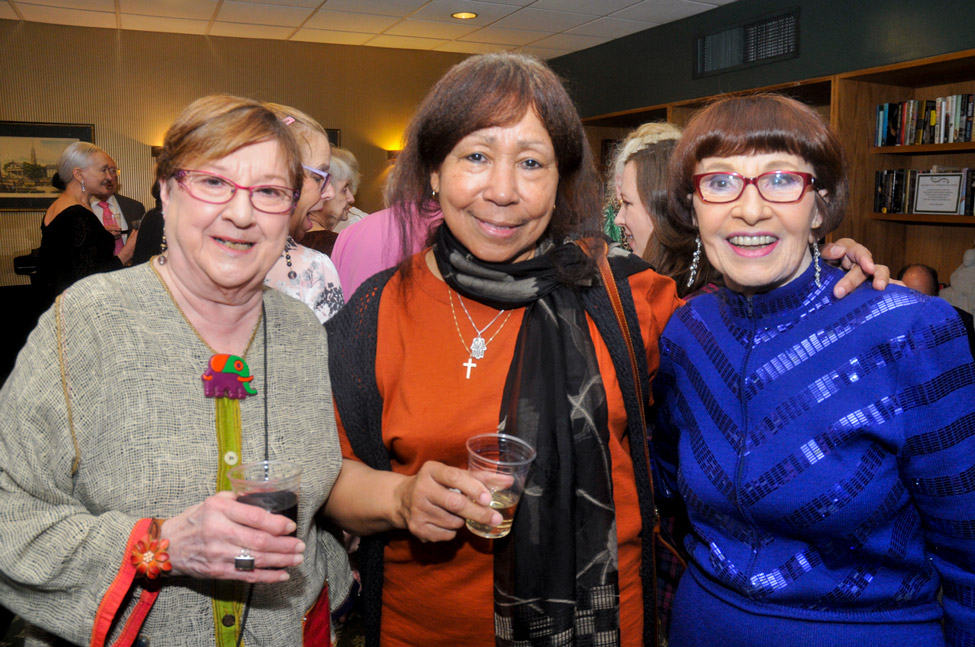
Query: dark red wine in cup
{"points": [[281, 502]]}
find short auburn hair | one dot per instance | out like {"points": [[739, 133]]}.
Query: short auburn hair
{"points": [[758, 124], [217, 125]]}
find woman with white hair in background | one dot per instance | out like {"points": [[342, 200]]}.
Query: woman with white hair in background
{"points": [[74, 243], [345, 180]]}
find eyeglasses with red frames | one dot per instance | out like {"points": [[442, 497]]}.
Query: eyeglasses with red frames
{"points": [[320, 177], [773, 186], [216, 189]]}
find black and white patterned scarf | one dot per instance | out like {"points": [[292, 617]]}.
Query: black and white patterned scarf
{"points": [[555, 575]]}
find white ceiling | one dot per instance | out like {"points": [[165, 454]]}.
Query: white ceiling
{"points": [[546, 28]]}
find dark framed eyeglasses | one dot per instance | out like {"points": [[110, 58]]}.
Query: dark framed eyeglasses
{"points": [[320, 177], [216, 189], [773, 186]]}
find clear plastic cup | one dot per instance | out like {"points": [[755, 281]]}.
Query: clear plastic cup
{"points": [[272, 485], [501, 463]]}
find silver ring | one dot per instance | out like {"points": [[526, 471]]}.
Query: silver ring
{"points": [[244, 561]]}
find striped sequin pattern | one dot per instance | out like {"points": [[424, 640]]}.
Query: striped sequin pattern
{"points": [[826, 450]]}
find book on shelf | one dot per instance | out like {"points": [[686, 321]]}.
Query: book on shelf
{"points": [[893, 124], [897, 191], [945, 120], [969, 113], [878, 191], [911, 190], [970, 196]]}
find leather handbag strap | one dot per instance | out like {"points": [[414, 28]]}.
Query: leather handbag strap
{"points": [[614, 298], [616, 302], [612, 291]]}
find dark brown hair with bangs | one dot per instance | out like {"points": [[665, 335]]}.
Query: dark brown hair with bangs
{"points": [[491, 90], [758, 124]]}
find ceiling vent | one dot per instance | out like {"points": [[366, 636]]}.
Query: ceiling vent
{"points": [[762, 41]]}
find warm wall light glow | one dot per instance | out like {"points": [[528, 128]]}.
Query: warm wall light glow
{"points": [[463, 15]]}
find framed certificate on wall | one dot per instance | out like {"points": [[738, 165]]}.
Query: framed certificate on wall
{"points": [[938, 192]]}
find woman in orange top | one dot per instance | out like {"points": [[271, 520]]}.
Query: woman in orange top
{"points": [[501, 325]]}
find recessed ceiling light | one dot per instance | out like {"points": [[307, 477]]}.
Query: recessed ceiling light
{"points": [[463, 15]]}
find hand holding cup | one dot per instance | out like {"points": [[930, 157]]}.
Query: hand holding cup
{"points": [[272, 485], [501, 463]]}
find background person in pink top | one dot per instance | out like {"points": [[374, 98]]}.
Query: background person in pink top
{"points": [[372, 245]]}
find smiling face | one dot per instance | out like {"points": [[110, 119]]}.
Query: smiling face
{"points": [[497, 189], [315, 152], [633, 217], [757, 245], [215, 249]]}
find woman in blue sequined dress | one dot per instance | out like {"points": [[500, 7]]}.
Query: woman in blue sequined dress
{"points": [[826, 448]]}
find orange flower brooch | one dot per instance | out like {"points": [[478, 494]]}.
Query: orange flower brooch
{"points": [[150, 557]]}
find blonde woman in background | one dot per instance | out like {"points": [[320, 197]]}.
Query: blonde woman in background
{"points": [[639, 173], [637, 190], [302, 272]]}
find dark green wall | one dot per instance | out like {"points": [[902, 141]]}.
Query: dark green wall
{"points": [[655, 66]]}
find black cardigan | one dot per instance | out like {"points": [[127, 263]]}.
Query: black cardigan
{"points": [[352, 335]]}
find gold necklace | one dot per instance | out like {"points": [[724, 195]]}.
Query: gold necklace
{"points": [[478, 344]]}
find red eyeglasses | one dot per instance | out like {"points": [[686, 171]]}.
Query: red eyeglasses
{"points": [[216, 189], [773, 186]]}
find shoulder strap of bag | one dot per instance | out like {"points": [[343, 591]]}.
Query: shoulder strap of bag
{"points": [[633, 398], [614, 297], [612, 291]]}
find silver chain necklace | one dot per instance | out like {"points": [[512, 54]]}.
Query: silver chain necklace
{"points": [[478, 345]]}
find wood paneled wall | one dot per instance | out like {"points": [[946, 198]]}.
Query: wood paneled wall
{"points": [[131, 84]]}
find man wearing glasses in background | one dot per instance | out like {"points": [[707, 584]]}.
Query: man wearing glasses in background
{"points": [[119, 214]]}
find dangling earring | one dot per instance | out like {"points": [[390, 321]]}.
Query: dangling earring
{"points": [[287, 259], [162, 250], [695, 261], [82, 186], [815, 251]]}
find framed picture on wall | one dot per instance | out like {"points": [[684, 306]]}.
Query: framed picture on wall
{"points": [[29, 153]]}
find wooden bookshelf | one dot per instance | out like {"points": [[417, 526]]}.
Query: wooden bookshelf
{"points": [[849, 101], [898, 239], [925, 219], [940, 149]]}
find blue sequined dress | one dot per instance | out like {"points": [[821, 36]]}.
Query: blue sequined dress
{"points": [[827, 460]]}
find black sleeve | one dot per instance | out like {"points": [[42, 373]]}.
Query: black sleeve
{"points": [[149, 240], [76, 246]]}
